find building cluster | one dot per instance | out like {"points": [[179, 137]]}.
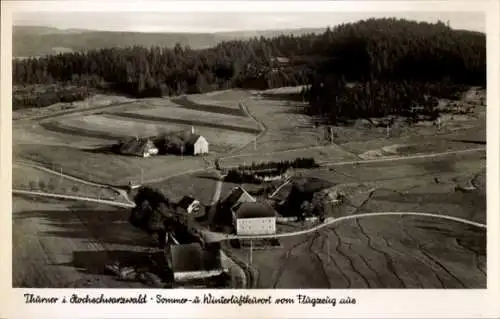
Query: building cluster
{"points": [[179, 143], [247, 215]]}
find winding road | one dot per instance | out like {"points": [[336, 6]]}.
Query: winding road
{"points": [[214, 237]]}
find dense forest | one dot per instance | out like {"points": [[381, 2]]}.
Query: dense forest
{"points": [[374, 67]]}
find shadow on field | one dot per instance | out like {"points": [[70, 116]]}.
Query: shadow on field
{"points": [[470, 142], [106, 149], [101, 226], [207, 176], [468, 236], [94, 262]]}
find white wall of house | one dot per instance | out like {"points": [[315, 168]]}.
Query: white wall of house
{"points": [[201, 146], [256, 226], [200, 274], [195, 204]]}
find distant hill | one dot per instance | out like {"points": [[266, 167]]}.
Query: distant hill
{"points": [[38, 40], [232, 35]]}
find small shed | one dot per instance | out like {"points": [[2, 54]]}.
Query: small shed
{"points": [[254, 218], [189, 205], [190, 262]]}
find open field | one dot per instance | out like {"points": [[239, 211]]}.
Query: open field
{"points": [[197, 118], [424, 185], [35, 134], [288, 128], [321, 154], [198, 103], [109, 169], [226, 97], [110, 127], [32, 179], [64, 244], [93, 103], [377, 252], [198, 185]]}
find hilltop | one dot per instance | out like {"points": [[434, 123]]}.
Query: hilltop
{"points": [[39, 40]]}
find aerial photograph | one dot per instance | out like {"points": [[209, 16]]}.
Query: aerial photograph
{"points": [[249, 150]]}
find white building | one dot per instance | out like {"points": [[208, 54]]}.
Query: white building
{"points": [[196, 144], [254, 218]]}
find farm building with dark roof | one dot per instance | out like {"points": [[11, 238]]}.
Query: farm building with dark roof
{"points": [[192, 261], [254, 218], [143, 147], [223, 215], [237, 195]]}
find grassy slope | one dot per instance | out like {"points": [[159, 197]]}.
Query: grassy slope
{"points": [[27, 178], [377, 252], [106, 168], [67, 244]]}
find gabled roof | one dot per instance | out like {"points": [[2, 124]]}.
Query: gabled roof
{"points": [[192, 139], [253, 210], [193, 257], [238, 195]]}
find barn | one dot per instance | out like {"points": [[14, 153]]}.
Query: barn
{"points": [[184, 142], [254, 218], [223, 219], [143, 147], [190, 262]]}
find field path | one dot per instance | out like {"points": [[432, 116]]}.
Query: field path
{"points": [[218, 189], [70, 197], [122, 192], [262, 126], [74, 112]]}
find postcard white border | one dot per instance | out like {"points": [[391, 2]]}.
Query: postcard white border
{"points": [[371, 303]]}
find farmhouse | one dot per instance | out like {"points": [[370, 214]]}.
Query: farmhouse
{"points": [[223, 216], [190, 262], [143, 147], [188, 205], [196, 144], [185, 142], [254, 218]]}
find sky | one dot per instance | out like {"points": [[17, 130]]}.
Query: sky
{"points": [[228, 21]]}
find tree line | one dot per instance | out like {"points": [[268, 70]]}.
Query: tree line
{"points": [[395, 67], [391, 61], [259, 172]]}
